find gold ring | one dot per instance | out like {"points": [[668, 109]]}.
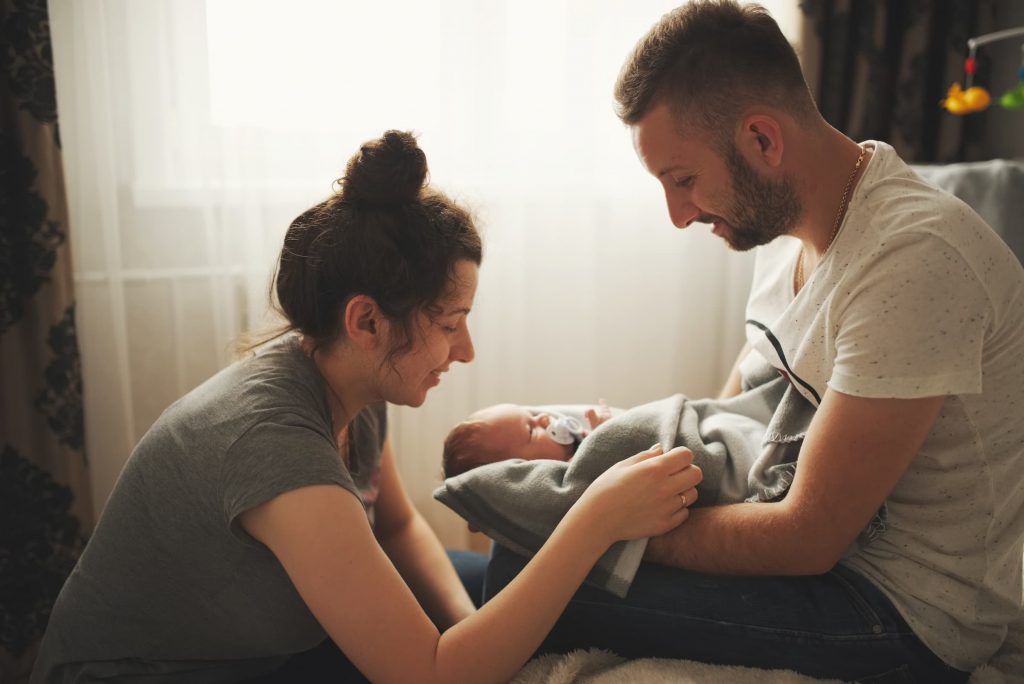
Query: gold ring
{"points": [[683, 498]]}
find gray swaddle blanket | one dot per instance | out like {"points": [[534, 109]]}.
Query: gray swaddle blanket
{"points": [[775, 467], [746, 446], [518, 503]]}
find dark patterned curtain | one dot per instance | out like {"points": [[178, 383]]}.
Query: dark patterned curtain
{"points": [[879, 69], [45, 502]]}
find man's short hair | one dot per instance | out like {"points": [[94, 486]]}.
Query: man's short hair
{"points": [[711, 61]]}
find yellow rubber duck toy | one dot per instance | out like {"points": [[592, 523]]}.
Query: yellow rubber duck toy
{"points": [[974, 99], [958, 101]]}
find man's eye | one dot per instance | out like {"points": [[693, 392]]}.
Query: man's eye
{"points": [[683, 182]]}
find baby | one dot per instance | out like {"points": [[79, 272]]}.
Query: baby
{"points": [[505, 431]]}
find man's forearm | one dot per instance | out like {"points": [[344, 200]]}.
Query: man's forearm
{"points": [[855, 452], [742, 539]]}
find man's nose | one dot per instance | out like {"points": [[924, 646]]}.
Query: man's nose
{"points": [[681, 211]]}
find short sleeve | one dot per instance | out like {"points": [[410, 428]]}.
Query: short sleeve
{"points": [[913, 323], [277, 455], [370, 433], [373, 431]]}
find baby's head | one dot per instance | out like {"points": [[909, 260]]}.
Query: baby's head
{"points": [[497, 433]]}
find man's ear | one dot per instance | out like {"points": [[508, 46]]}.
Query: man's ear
{"points": [[761, 139], [363, 322]]}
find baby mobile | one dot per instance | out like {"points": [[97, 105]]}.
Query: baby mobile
{"points": [[975, 98]]}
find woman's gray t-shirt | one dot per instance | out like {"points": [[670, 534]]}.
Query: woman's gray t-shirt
{"points": [[170, 588]]}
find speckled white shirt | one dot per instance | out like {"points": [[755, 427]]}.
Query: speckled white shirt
{"points": [[918, 297]]}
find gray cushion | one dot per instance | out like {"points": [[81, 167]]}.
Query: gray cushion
{"points": [[994, 189]]}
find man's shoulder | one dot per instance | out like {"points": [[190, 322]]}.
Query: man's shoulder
{"points": [[898, 208]]}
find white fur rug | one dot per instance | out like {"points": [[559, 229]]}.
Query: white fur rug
{"points": [[601, 667]]}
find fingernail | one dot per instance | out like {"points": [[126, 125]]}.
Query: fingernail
{"points": [[656, 445]]}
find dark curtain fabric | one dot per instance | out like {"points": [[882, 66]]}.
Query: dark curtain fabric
{"points": [[45, 501], [879, 69]]}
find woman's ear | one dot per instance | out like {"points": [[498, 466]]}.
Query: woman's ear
{"points": [[363, 322]]}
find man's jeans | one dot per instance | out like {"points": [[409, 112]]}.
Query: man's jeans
{"points": [[834, 625]]}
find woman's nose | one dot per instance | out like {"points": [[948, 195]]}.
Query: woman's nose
{"points": [[462, 349]]}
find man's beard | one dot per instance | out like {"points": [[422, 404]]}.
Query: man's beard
{"points": [[761, 210]]}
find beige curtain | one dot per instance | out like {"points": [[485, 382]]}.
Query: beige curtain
{"points": [[189, 147], [45, 501]]}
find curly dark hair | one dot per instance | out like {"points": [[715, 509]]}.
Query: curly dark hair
{"points": [[385, 233]]}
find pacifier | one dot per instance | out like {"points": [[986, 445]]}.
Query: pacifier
{"points": [[564, 429]]}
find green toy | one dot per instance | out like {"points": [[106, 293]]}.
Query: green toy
{"points": [[1014, 97]]}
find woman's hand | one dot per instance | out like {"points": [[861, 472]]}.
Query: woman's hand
{"points": [[644, 495]]}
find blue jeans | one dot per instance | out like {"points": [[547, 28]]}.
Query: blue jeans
{"points": [[472, 567], [833, 625]]}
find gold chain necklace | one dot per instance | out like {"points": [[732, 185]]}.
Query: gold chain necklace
{"points": [[835, 228]]}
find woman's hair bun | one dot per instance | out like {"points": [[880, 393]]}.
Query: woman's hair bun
{"points": [[389, 170]]}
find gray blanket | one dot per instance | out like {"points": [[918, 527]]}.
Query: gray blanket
{"points": [[518, 503], [747, 446], [994, 189]]}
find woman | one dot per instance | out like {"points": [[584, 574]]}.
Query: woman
{"points": [[262, 514]]}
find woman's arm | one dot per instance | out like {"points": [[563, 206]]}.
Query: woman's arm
{"points": [[322, 538], [415, 550]]}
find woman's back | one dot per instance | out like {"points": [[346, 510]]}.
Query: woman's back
{"points": [[170, 584]]}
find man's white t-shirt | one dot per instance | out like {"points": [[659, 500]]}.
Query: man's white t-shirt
{"points": [[918, 297]]}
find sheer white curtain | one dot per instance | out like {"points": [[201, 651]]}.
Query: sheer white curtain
{"points": [[194, 131]]}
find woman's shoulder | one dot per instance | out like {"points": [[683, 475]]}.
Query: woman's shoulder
{"points": [[275, 383], [279, 375]]}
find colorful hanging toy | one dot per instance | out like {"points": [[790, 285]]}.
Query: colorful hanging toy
{"points": [[975, 98]]}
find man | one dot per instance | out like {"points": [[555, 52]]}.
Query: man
{"points": [[891, 308]]}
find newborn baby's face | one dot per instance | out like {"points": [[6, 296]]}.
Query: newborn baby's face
{"points": [[516, 432]]}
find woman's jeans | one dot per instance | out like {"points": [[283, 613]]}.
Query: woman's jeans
{"points": [[836, 625]]}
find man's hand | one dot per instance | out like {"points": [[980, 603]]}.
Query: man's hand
{"points": [[855, 452]]}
